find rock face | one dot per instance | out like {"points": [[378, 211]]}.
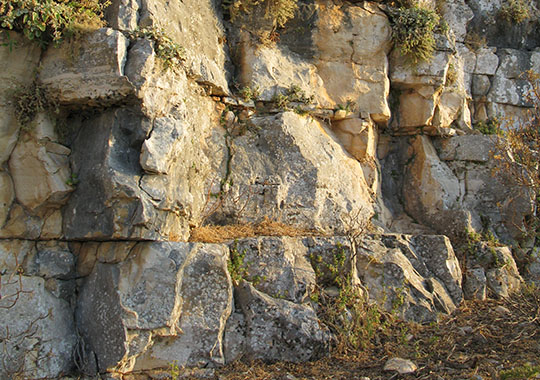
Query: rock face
{"points": [[326, 128], [288, 170]]}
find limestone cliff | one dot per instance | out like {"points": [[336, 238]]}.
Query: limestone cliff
{"points": [[321, 128]]}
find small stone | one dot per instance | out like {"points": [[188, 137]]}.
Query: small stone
{"points": [[502, 310], [465, 330], [402, 366], [340, 114], [331, 291]]}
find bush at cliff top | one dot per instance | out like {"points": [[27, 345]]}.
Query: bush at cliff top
{"points": [[279, 11], [48, 21], [413, 32]]}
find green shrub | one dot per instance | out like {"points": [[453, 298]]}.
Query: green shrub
{"points": [[49, 21], [413, 32], [489, 127], [526, 371], [515, 11]]}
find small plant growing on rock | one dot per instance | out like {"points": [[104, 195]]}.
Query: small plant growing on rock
{"points": [[170, 53], [413, 32], [489, 127], [49, 21], [278, 11], [515, 11], [30, 101], [293, 94], [248, 93], [236, 265]]}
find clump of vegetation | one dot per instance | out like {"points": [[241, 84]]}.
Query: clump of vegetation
{"points": [[489, 127], [349, 315], [49, 21], [293, 94], [526, 371], [170, 53], [236, 265], [475, 41], [413, 31], [515, 11], [278, 11], [248, 93], [30, 101]]}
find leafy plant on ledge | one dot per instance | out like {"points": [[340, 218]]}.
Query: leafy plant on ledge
{"points": [[278, 11], [47, 21], [166, 49], [413, 31]]}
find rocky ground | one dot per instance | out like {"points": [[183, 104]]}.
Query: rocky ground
{"points": [[494, 339]]}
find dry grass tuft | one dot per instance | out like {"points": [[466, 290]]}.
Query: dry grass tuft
{"points": [[220, 234]]}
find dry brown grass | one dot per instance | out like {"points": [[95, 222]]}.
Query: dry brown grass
{"points": [[220, 234], [478, 339]]}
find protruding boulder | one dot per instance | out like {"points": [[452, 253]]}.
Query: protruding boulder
{"points": [[277, 329], [277, 266], [431, 191], [167, 302], [90, 71]]}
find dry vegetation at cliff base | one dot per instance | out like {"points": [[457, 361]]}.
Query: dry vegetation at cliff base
{"points": [[494, 339]]}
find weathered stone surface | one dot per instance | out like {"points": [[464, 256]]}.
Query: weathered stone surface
{"points": [[428, 73], [41, 335], [350, 63], [277, 329], [431, 191], [437, 254], [457, 14], [475, 283], [489, 198], [123, 14], [293, 170], [167, 302], [502, 277], [278, 266], [475, 148], [533, 267], [401, 273], [90, 72], [7, 195], [39, 175], [450, 105], [359, 137], [13, 254], [487, 61], [480, 85], [157, 150], [416, 109], [20, 59], [196, 26]]}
